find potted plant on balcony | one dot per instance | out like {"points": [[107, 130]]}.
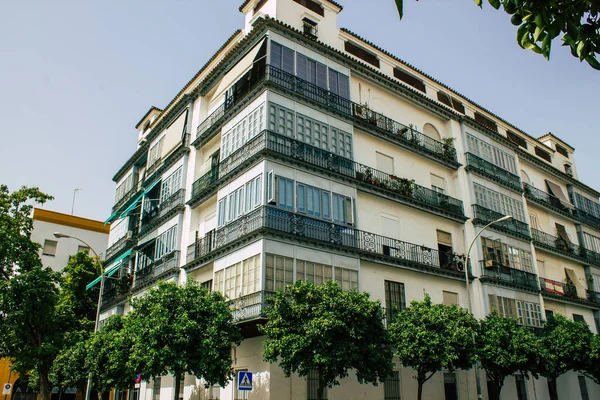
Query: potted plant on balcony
{"points": [[448, 148], [402, 186]]}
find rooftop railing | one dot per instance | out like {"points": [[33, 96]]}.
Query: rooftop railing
{"points": [[492, 171], [358, 112], [276, 220], [401, 188]]}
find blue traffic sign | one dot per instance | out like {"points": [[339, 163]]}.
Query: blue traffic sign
{"points": [[244, 380]]}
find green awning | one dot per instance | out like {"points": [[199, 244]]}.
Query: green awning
{"points": [[112, 217], [110, 271], [137, 199]]}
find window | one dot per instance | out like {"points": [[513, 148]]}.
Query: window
{"points": [[568, 169], [242, 200], [591, 242], [587, 205], [313, 272], [233, 280], [361, 53], [311, 71], [395, 300], [409, 79], [155, 152], [521, 387], [529, 314], [83, 249], [346, 278], [543, 154], [235, 203], [499, 202], [384, 163], [309, 28], [49, 248], [339, 84], [312, 385], [285, 193], [243, 131], [166, 242], [391, 386], [450, 386], [451, 102], [579, 318], [449, 298], [516, 139], [124, 187], [438, 184], [207, 285], [312, 5], [503, 305], [282, 57], [251, 275], [583, 388], [485, 121], [156, 388], [171, 185], [562, 150], [312, 132], [221, 213], [491, 154], [253, 194], [278, 272], [549, 314]]}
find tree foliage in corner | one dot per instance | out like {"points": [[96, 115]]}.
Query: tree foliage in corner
{"points": [[564, 346], [68, 369], [327, 330], [539, 22], [430, 337], [505, 348], [593, 367], [182, 329]]}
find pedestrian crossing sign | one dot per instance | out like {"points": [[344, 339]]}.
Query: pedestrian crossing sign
{"points": [[244, 380]]}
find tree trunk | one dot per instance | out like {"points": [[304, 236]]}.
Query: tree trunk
{"points": [[320, 389], [552, 389], [177, 377], [44, 383], [419, 389], [494, 394], [99, 394]]}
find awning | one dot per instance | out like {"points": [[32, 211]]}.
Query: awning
{"points": [[110, 271], [573, 277], [112, 217], [562, 233], [557, 192], [137, 199], [239, 69], [147, 239]]}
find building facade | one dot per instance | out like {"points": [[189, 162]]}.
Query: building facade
{"points": [[301, 151], [54, 252]]}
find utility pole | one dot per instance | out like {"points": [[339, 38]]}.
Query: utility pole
{"points": [[73, 205]]}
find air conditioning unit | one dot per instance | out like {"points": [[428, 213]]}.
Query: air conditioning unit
{"points": [[460, 261]]}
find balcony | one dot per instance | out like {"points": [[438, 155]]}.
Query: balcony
{"points": [[360, 114], [272, 220], [558, 289], [546, 200], [483, 216], [162, 211], [491, 271], [120, 245], [251, 306], [122, 202], [493, 172], [404, 190], [592, 296], [165, 266], [116, 290], [562, 247], [586, 218]]}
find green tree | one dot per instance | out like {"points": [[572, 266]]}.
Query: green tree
{"points": [[565, 346], [32, 327], [504, 348], [16, 247], [327, 330], [108, 356], [69, 369], [183, 329], [429, 337], [539, 22], [592, 369]]}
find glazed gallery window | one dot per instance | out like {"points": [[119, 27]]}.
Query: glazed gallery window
{"points": [[281, 271], [527, 313], [240, 279], [155, 152], [499, 202], [243, 131], [492, 154], [242, 200], [166, 242], [497, 254], [307, 130], [309, 70], [170, 185]]}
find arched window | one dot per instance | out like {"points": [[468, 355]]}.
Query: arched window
{"points": [[525, 177], [430, 131]]}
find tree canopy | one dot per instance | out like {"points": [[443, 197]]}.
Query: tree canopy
{"points": [[564, 346], [430, 337], [593, 368], [182, 329], [505, 348], [324, 329], [577, 22]]}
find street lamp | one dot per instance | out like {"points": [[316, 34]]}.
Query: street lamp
{"points": [[59, 235], [505, 218]]}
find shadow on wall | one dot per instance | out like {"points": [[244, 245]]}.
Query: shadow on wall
{"points": [[260, 389]]}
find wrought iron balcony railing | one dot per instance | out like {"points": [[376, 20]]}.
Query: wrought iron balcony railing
{"points": [[483, 216], [561, 289], [592, 296], [559, 245], [495, 272], [586, 218], [278, 221], [126, 197], [124, 243], [251, 306], [546, 199], [156, 213], [359, 113], [403, 189], [493, 172], [167, 264]]}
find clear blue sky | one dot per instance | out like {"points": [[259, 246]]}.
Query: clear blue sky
{"points": [[76, 76]]}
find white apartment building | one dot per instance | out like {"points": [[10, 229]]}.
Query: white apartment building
{"points": [[301, 151], [55, 252]]}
